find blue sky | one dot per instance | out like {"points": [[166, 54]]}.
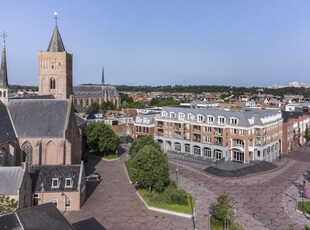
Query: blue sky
{"points": [[157, 42]]}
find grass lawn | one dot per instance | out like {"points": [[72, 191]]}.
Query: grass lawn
{"points": [[187, 209], [128, 167], [219, 225], [111, 157], [304, 207]]}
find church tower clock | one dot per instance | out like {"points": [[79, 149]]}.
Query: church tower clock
{"points": [[55, 68]]}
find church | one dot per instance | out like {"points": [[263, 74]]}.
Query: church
{"points": [[41, 130]]}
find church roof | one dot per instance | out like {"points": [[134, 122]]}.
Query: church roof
{"points": [[39, 118], [95, 91], [56, 44], [3, 71], [7, 132]]}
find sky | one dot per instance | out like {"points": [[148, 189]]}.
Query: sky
{"points": [[160, 42]]}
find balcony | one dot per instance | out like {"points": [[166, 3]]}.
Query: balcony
{"points": [[178, 128], [218, 134]]}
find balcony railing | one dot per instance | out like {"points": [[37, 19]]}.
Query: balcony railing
{"points": [[218, 134]]}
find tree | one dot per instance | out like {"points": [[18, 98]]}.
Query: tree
{"points": [[140, 143], [307, 135], [224, 208], [150, 169], [107, 106], [7, 204], [94, 107], [101, 138]]}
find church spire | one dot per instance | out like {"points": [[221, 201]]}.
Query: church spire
{"points": [[102, 76], [3, 71], [56, 44]]}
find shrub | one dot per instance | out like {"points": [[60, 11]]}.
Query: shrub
{"points": [[172, 195]]}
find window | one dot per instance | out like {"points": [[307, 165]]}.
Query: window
{"points": [[210, 119], [67, 202], [190, 117], [68, 183], [52, 83], [233, 131], [233, 121], [181, 116], [173, 115], [207, 152], [187, 148], [55, 183], [200, 118], [221, 120], [209, 129], [27, 152], [164, 114], [242, 132], [258, 153], [209, 140], [55, 201]]}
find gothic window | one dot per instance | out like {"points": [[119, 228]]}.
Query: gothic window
{"points": [[52, 83], [27, 152]]}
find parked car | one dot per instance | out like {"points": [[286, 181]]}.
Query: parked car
{"points": [[93, 176]]}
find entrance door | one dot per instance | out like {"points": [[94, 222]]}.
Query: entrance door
{"points": [[238, 156]]}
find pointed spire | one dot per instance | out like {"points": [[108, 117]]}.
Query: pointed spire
{"points": [[102, 76], [56, 44], [3, 70]]}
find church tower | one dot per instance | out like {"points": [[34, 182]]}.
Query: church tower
{"points": [[4, 86], [55, 68]]}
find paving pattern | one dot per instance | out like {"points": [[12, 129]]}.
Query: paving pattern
{"points": [[263, 201]]}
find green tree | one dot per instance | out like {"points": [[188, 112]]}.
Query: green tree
{"points": [[307, 135], [94, 107], [140, 143], [101, 138], [150, 169], [107, 106], [7, 204], [125, 98], [224, 208]]}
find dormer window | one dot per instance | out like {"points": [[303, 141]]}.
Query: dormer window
{"points": [[190, 117], [200, 118], [164, 114], [173, 115], [68, 183], [221, 120], [210, 119], [233, 121], [55, 183], [181, 116]]}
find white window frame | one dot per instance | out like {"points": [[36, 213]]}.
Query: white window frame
{"points": [[181, 116], [210, 119], [233, 121], [55, 201], [71, 183], [58, 182], [221, 120], [67, 199], [200, 118]]}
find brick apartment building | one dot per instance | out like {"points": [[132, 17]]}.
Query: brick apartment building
{"points": [[217, 134]]}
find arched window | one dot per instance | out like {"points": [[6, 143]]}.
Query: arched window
{"points": [[27, 152], [0, 93], [4, 94], [52, 83]]}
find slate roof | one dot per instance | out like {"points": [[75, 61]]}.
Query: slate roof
{"points": [[10, 221], [79, 120], [11, 178], [45, 216], [45, 174], [3, 71], [96, 90], [148, 116], [39, 118], [292, 115], [243, 116], [56, 44], [6, 127]]}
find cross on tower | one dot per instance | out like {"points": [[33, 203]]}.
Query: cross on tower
{"points": [[4, 35]]}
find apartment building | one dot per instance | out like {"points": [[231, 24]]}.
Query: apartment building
{"points": [[294, 127], [217, 134], [144, 125]]}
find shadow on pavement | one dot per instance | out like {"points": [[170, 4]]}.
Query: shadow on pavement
{"points": [[90, 223], [91, 187]]}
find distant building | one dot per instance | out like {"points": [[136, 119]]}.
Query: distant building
{"points": [[86, 94], [144, 125]]}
